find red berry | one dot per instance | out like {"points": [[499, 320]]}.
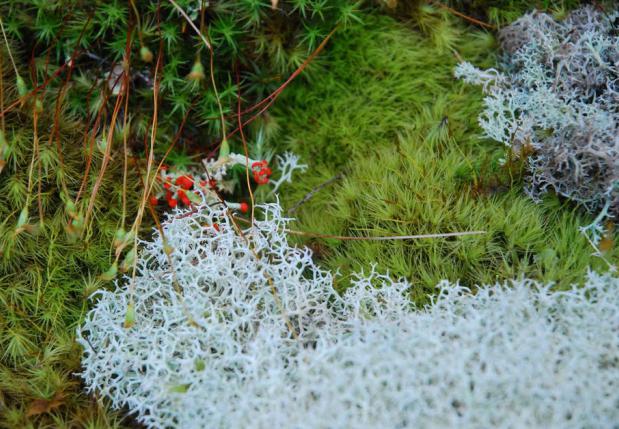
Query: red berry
{"points": [[185, 182], [168, 195], [244, 207], [154, 201], [212, 183], [216, 227], [166, 185], [261, 179], [183, 197], [172, 202], [261, 172]]}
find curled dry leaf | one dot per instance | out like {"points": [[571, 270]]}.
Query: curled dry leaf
{"points": [[43, 406]]}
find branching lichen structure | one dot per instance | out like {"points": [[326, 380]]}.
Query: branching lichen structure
{"points": [[557, 97], [237, 328]]}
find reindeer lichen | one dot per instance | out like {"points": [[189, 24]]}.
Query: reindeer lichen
{"points": [[244, 330], [557, 96]]}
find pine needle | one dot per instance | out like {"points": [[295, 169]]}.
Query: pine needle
{"points": [[384, 238]]}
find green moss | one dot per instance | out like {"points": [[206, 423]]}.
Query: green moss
{"points": [[503, 12], [485, 13], [388, 113], [46, 274], [256, 40]]}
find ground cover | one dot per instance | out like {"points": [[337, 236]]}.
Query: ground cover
{"points": [[388, 117], [380, 110]]}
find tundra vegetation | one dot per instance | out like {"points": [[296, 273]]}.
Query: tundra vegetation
{"points": [[126, 127]]}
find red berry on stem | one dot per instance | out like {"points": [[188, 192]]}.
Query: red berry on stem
{"points": [[244, 207], [154, 201]]}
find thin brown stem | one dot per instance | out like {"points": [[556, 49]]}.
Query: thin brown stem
{"points": [[251, 193], [211, 65], [384, 238], [314, 191], [465, 17], [273, 96], [8, 48]]}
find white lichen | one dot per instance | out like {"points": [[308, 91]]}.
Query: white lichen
{"points": [[245, 331], [557, 96], [287, 164]]}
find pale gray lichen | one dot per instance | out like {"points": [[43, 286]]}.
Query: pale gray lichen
{"points": [[513, 355], [558, 95]]}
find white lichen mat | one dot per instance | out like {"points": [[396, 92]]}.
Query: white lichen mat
{"points": [[555, 102], [515, 355]]}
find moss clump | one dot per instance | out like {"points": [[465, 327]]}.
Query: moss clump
{"points": [[503, 12], [257, 42], [47, 267], [389, 114], [488, 13]]}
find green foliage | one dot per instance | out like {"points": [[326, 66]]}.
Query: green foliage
{"points": [[47, 268], [389, 115], [493, 12], [504, 12], [252, 40]]}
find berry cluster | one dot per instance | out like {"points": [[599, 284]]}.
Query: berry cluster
{"points": [[176, 189], [261, 172], [189, 188], [180, 187]]}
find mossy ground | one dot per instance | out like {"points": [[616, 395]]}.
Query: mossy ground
{"points": [[383, 109], [47, 274], [388, 114]]}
